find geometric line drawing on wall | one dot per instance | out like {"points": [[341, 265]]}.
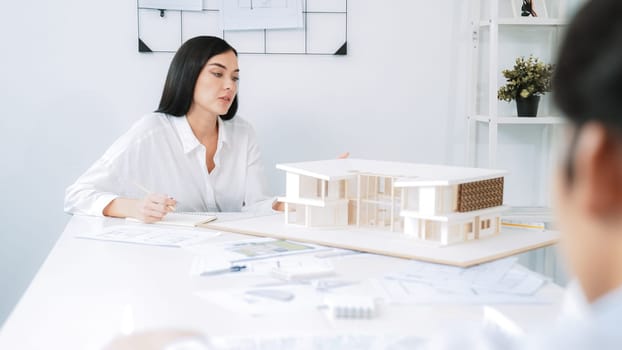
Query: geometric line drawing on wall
{"points": [[324, 31]]}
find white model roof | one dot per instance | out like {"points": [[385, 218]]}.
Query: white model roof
{"points": [[408, 174]]}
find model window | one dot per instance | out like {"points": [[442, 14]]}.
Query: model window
{"points": [[381, 185], [468, 227]]}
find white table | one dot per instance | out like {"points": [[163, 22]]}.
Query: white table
{"points": [[88, 292]]}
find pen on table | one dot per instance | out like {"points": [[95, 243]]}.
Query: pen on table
{"points": [[233, 268], [147, 191]]}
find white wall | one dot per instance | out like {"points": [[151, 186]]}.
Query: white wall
{"points": [[71, 81], [391, 97]]}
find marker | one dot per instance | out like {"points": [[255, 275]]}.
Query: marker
{"points": [[233, 268]]}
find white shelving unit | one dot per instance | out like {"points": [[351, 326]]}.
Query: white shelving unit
{"points": [[490, 21], [494, 22]]}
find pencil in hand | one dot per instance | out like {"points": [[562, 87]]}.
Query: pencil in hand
{"points": [[171, 207]]}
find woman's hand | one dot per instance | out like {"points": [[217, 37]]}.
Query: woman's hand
{"points": [[150, 209], [154, 207], [278, 206]]}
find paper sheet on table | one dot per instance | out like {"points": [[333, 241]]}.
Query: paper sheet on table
{"points": [[181, 219], [237, 215], [261, 14], [257, 301], [254, 249], [301, 266], [404, 292], [496, 282], [204, 264], [151, 235], [318, 341], [442, 275], [517, 282]]}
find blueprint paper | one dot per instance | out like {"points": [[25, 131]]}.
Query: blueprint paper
{"points": [[496, 282], [150, 235]]}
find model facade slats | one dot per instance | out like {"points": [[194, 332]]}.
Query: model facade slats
{"points": [[480, 194]]}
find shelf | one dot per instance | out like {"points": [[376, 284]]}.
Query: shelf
{"points": [[529, 218], [527, 21], [488, 33], [520, 120], [533, 212]]}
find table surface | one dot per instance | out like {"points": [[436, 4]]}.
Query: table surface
{"points": [[87, 292]]}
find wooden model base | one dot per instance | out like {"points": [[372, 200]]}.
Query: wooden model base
{"points": [[507, 243]]}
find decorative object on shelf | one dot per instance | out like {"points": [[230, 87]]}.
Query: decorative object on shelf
{"points": [[527, 9], [526, 82], [527, 107]]}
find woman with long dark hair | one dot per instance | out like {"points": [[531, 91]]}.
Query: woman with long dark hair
{"points": [[191, 154]]}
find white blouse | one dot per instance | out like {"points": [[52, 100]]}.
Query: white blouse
{"points": [[160, 153]]}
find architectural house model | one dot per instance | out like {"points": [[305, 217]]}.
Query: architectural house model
{"points": [[435, 203]]}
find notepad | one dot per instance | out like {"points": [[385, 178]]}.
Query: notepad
{"points": [[184, 219]]}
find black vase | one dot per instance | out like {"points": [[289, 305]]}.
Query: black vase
{"points": [[527, 107]]}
